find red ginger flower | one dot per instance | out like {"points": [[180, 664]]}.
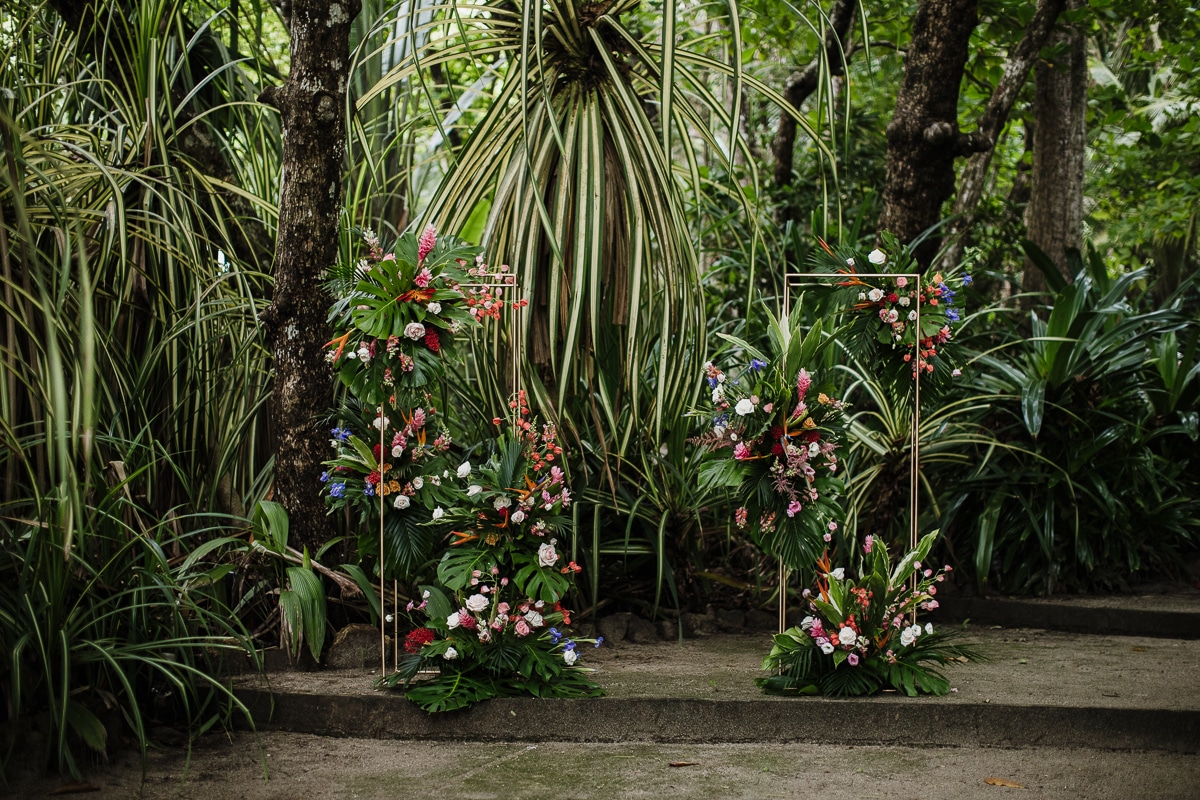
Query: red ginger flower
{"points": [[431, 340]]}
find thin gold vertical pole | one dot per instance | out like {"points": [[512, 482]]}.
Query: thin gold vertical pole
{"points": [[914, 450], [382, 615], [395, 623], [783, 572]]}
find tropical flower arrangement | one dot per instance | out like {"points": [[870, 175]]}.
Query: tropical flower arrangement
{"points": [[884, 310], [863, 636], [495, 629], [397, 313], [773, 436]]}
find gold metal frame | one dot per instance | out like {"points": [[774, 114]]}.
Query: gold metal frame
{"points": [[486, 280], [796, 280]]}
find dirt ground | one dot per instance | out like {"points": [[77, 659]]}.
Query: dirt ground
{"points": [[279, 766]]}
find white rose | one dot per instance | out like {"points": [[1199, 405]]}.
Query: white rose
{"points": [[814, 449], [452, 621], [401, 501], [547, 555], [534, 619], [847, 636], [381, 422], [434, 307], [838, 573], [807, 622], [877, 257], [904, 301], [477, 602], [464, 469], [450, 654], [397, 451], [906, 637], [929, 627], [504, 501], [744, 407], [827, 648], [570, 656], [474, 489], [912, 316], [364, 354], [439, 512], [414, 330], [418, 482], [875, 295], [518, 516]]}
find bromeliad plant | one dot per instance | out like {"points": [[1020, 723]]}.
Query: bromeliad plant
{"points": [[492, 632], [774, 439], [863, 636]]}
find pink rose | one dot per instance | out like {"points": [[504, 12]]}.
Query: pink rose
{"points": [[522, 627]]}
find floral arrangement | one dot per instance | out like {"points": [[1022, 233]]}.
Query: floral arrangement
{"points": [[863, 636], [884, 311], [495, 630], [774, 437], [398, 312]]}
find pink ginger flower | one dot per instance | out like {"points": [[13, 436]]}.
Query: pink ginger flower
{"points": [[426, 242], [423, 277], [803, 381], [418, 418], [868, 543], [741, 451]]}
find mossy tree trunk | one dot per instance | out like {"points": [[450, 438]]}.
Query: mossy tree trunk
{"points": [[312, 106]]}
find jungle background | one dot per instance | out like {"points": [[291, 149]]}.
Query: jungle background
{"points": [[176, 177]]}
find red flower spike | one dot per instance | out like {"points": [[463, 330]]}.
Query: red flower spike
{"points": [[431, 340]]}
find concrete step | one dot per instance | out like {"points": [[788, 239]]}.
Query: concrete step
{"points": [[1040, 688]]}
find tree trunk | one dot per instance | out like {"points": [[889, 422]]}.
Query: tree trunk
{"points": [[1054, 216], [923, 138], [801, 84], [973, 177], [311, 104]]}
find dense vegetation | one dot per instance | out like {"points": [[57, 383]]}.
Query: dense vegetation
{"points": [[632, 162]]}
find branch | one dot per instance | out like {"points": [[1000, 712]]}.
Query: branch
{"points": [[992, 121], [801, 84]]}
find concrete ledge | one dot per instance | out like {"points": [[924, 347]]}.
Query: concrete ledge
{"points": [[868, 721], [1073, 617]]}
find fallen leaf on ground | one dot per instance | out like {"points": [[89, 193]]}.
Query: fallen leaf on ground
{"points": [[685, 764], [75, 787], [1138, 649], [1002, 782]]}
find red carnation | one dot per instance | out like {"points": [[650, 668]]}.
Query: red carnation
{"points": [[377, 450], [417, 639], [777, 449], [811, 436], [431, 340], [776, 432]]}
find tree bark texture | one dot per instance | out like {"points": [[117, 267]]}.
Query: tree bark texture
{"points": [[923, 138], [972, 179], [311, 104], [802, 84], [1054, 216]]}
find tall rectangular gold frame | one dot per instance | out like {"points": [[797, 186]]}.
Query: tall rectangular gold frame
{"points": [[485, 280], [799, 279]]}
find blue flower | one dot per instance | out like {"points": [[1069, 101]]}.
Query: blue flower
{"points": [[599, 641], [569, 645], [555, 635], [951, 315], [337, 490], [712, 383], [968, 280], [948, 294], [369, 491], [757, 363], [324, 477], [341, 434]]}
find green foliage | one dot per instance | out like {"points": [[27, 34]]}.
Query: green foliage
{"points": [[877, 647]]}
